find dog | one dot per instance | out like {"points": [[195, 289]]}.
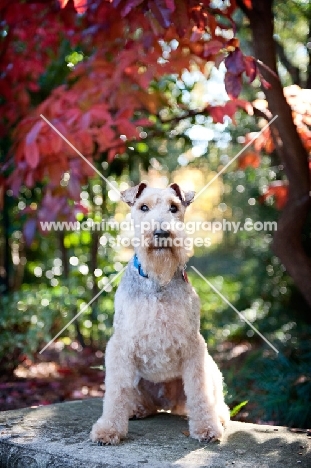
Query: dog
{"points": [[156, 358]]}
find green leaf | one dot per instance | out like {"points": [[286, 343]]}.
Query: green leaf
{"points": [[237, 408]]}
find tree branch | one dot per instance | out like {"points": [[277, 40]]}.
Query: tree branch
{"points": [[292, 70]]}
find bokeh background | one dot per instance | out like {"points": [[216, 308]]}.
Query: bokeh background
{"points": [[49, 57]]}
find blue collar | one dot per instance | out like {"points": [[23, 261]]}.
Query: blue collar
{"points": [[137, 265]]}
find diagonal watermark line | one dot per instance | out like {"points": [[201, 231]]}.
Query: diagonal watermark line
{"points": [[235, 310], [82, 310], [80, 154], [235, 157]]}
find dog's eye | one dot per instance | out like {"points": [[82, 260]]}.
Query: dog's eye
{"points": [[144, 208], [173, 209]]}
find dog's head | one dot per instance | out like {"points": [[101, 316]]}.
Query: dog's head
{"points": [[158, 216]]}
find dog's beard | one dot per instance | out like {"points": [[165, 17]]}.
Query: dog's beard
{"points": [[161, 258]]}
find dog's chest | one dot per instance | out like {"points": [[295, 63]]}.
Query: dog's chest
{"points": [[161, 337], [157, 325], [142, 309]]}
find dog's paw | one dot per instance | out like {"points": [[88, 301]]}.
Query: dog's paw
{"points": [[140, 412], [223, 413], [207, 433], [104, 435]]}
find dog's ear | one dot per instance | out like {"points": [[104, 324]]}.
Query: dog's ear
{"points": [[131, 194], [185, 197]]}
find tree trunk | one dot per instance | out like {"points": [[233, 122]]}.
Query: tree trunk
{"points": [[294, 157]]}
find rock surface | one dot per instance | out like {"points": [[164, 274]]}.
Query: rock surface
{"points": [[56, 436]]}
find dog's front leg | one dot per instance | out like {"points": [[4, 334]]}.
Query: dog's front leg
{"points": [[204, 423], [119, 381]]}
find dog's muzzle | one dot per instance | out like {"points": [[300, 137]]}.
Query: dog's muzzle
{"points": [[161, 238]]}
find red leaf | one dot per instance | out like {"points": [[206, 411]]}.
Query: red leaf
{"points": [[217, 113], [279, 190], [233, 85], [235, 62], [265, 83], [105, 138], [212, 47], [249, 159], [32, 135], [32, 154], [125, 113], [171, 4], [250, 68], [127, 128], [248, 4]]}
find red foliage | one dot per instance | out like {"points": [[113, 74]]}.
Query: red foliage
{"points": [[229, 109], [53, 377], [278, 190], [249, 159], [108, 93], [300, 103]]}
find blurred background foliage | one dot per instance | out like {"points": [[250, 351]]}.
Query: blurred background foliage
{"points": [[60, 272]]}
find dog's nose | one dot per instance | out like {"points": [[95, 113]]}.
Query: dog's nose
{"points": [[161, 234]]}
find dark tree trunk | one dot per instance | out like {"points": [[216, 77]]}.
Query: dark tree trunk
{"points": [[294, 157]]}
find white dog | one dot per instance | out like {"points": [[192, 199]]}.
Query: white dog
{"points": [[157, 358]]}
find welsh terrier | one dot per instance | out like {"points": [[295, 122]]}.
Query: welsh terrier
{"points": [[157, 358]]}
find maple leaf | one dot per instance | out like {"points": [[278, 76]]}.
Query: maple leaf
{"points": [[250, 68], [212, 47], [249, 159], [279, 190], [233, 85], [235, 62], [32, 155]]}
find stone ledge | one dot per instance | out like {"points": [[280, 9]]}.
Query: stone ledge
{"points": [[56, 436]]}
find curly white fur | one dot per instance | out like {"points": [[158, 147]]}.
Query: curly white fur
{"points": [[157, 357]]}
